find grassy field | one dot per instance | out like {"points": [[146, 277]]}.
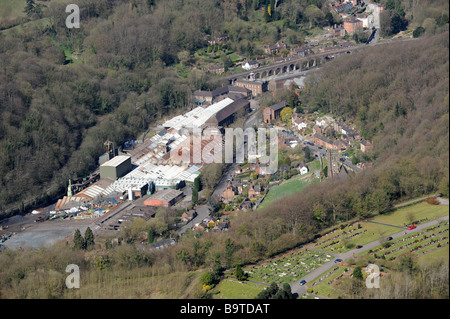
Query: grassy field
{"points": [[441, 254], [234, 289], [289, 187], [326, 286]]}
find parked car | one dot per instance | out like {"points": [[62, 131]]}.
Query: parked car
{"points": [[338, 260], [359, 246], [389, 238], [302, 282], [412, 227]]}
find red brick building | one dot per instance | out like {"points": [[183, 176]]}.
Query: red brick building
{"points": [[322, 141], [257, 87], [352, 25], [273, 112]]}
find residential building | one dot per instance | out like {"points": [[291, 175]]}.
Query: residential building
{"points": [[246, 204], [274, 49], [298, 122], [254, 190], [339, 6], [188, 215], [229, 193], [352, 25], [323, 141], [300, 51], [365, 145], [217, 69], [218, 39], [250, 65], [303, 170]]}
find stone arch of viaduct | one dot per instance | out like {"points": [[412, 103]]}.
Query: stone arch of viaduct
{"points": [[284, 67]]}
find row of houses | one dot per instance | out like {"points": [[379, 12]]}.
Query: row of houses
{"points": [[330, 134], [213, 224], [370, 17]]}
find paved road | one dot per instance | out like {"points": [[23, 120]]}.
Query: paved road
{"points": [[252, 120], [300, 290], [203, 211]]}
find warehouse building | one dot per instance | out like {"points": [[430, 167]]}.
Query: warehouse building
{"points": [[116, 167], [227, 115], [166, 198]]}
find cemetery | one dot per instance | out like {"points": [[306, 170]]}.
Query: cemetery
{"points": [[289, 268]]}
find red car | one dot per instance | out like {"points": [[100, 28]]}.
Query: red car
{"points": [[412, 227]]}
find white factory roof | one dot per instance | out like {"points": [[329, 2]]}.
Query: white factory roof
{"points": [[161, 175], [116, 161], [198, 116]]}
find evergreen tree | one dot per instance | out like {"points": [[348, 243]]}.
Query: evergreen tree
{"points": [[78, 241], [239, 273], [195, 196], [88, 238], [197, 183], [30, 8], [150, 236], [357, 273]]}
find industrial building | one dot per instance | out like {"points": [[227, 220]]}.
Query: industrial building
{"points": [[166, 198], [273, 112], [226, 116], [197, 117], [116, 167]]}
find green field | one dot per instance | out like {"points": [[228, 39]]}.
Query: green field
{"points": [[234, 289], [325, 287], [289, 187]]}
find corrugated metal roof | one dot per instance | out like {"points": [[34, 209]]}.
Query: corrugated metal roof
{"points": [[116, 161]]}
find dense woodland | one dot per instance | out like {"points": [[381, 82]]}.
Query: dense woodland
{"points": [[57, 111], [56, 115]]}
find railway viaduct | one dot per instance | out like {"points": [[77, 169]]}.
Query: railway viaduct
{"points": [[289, 65]]}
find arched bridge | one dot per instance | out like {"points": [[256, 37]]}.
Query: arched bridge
{"points": [[289, 65]]}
